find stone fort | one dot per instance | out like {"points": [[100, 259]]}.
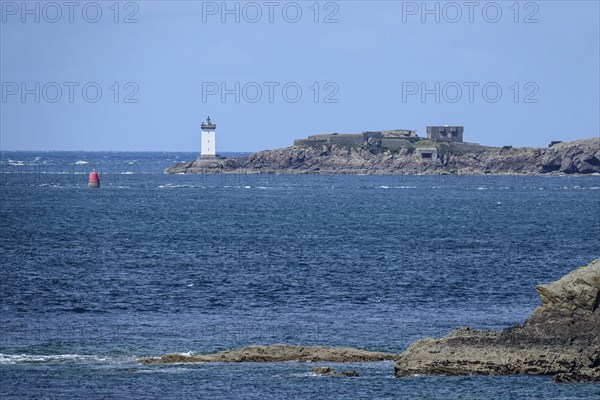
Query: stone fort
{"points": [[392, 140]]}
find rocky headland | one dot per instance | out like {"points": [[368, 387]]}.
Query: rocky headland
{"points": [[561, 338], [365, 154]]}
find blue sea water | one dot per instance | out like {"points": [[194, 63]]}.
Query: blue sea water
{"points": [[91, 280]]}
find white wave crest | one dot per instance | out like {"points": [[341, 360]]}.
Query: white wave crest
{"points": [[59, 358]]}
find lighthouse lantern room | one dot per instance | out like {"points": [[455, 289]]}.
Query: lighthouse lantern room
{"points": [[209, 145]]}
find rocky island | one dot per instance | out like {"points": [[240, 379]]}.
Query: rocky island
{"points": [[561, 338], [401, 151]]}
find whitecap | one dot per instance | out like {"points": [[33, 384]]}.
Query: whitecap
{"points": [[15, 162], [57, 358], [172, 186]]}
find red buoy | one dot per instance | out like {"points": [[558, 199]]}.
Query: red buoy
{"points": [[94, 180]]}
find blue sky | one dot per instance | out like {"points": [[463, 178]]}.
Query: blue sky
{"points": [[370, 68]]}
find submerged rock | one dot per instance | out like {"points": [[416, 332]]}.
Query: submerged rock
{"points": [[327, 371], [275, 353], [560, 338]]}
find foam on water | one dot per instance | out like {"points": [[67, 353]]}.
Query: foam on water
{"points": [[15, 162], [175, 186], [61, 358]]}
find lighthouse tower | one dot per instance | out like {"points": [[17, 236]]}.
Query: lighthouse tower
{"points": [[209, 145]]}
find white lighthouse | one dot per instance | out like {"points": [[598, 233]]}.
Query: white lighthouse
{"points": [[209, 145]]}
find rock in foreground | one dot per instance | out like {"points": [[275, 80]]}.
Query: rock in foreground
{"points": [[275, 353], [560, 338]]}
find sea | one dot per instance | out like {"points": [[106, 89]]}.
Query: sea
{"points": [[93, 279]]}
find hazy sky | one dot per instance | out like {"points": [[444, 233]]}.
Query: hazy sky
{"points": [[359, 66]]}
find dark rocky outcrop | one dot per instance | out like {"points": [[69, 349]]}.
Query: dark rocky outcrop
{"points": [[275, 353], [327, 371], [560, 338], [578, 157]]}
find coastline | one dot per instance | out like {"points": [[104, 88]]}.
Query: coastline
{"points": [[558, 339]]}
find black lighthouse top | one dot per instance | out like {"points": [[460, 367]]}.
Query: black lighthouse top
{"points": [[208, 124]]}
